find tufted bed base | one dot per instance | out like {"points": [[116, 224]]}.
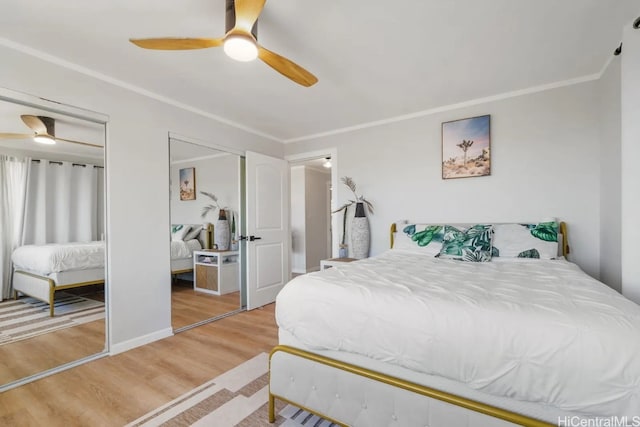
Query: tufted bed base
{"points": [[347, 394]]}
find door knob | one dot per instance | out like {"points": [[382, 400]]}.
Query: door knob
{"points": [[249, 238]]}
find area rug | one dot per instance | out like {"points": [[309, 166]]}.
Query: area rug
{"points": [[28, 317], [236, 398]]}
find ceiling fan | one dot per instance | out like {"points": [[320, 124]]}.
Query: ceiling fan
{"points": [[239, 42], [44, 131]]}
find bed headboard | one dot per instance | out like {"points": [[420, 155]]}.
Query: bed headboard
{"points": [[205, 236], [562, 231]]}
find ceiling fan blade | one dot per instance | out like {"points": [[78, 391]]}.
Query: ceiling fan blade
{"points": [[15, 135], [168, 43], [247, 13], [286, 67], [34, 122], [78, 142]]}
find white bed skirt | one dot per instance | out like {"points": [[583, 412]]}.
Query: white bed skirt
{"points": [[181, 264]]}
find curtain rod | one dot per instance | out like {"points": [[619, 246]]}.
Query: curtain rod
{"points": [[53, 162]]}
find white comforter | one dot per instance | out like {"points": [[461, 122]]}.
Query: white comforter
{"points": [[540, 331], [182, 249], [57, 257]]}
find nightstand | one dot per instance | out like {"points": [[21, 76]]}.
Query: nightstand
{"points": [[216, 272], [332, 262]]}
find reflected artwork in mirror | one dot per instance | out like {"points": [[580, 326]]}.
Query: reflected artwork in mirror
{"points": [[205, 257], [52, 237]]}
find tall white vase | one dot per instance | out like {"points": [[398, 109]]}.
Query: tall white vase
{"points": [[360, 235], [221, 233]]}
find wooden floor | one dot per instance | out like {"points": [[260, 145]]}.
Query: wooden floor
{"points": [[23, 358], [116, 390], [189, 306]]}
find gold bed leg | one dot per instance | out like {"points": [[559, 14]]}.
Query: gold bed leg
{"points": [[52, 291], [272, 409]]}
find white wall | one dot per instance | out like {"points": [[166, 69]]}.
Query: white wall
{"points": [[217, 175], [610, 179], [545, 162], [317, 207], [298, 220], [137, 177], [630, 195]]}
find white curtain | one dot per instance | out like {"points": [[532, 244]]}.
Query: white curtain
{"points": [[13, 182], [61, 203]]}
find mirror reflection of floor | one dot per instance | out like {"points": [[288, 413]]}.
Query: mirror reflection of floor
{"points": [[32, 355], [189, 306]]}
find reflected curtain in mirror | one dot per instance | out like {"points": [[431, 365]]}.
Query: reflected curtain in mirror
{"points": [[62, 203], [13, 182]]}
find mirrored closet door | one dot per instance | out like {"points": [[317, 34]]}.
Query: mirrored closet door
{"points": [[52, 230], [205, 205]]}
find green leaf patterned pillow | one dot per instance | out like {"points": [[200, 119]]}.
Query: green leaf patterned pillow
{"points": [[425, 239], [178, 231], [526, 240], [472, 244]]}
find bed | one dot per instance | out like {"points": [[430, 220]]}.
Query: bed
{"points": [[186, 238], [405, 338], [41, 270]]}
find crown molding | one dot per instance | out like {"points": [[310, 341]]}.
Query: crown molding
{"points": [[470, 103]]}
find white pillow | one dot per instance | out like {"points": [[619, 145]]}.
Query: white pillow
{"points": [[526, 240], [425, 239], [193, 233], [178, 231]]}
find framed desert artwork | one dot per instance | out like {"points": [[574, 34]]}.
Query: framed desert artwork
{"points": [[466, 147], [188, 184]]}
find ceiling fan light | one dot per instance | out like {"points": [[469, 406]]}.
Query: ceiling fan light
{"points": [[240, 48], [44, 139]]}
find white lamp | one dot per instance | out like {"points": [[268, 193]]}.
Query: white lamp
{"points": [[240, 48], [44, 139]]}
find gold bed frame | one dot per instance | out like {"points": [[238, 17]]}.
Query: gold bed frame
{"points": [[473, 405], [53, 288]]}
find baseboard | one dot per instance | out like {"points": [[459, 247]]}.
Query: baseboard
{"points": [[138, 341], [312, 269], [298, 271]]}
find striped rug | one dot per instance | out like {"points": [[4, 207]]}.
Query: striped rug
{"points": [[28, 317], [236, 398]]}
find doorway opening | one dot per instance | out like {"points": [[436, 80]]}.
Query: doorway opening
{"points": [[312, 199]]}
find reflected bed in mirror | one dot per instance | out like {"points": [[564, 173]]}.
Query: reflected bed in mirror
{"points": [[52, 223], [205, 261]]}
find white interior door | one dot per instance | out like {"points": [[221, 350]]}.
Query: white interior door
{"points": [[267, 228]]}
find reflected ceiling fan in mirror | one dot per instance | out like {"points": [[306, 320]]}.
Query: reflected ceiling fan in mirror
{"points": [[239, 42], [44, 131]]}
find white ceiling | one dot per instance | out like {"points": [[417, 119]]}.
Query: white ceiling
{"points": [[375, 60]]}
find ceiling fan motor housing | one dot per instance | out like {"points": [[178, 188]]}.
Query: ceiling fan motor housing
{"points": [[50, 124], [230, 19]]}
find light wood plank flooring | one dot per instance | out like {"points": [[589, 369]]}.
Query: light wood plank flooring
{"points": [[189, 306], [116, 390], [23, 358]]}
